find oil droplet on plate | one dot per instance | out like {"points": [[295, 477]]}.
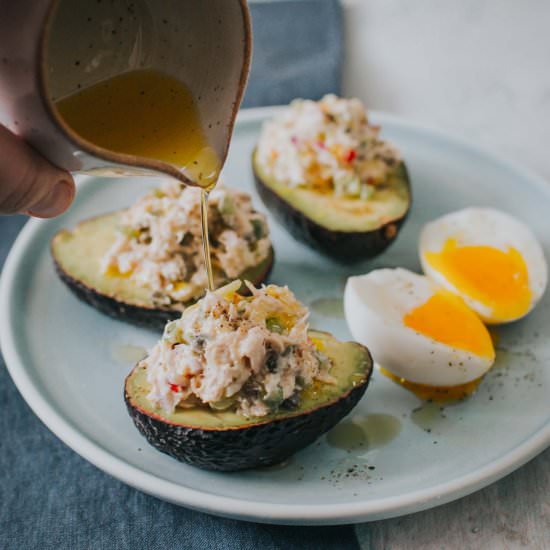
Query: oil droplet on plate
{"points": [[347, 436], [365, 432], [428, 416], [507, 357], [380, 429], [495, 336], [128, 353], [329, 307]]}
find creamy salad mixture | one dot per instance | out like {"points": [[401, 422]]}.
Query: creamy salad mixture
{"points": [[327, 145], [160, 241], [251, 354]]}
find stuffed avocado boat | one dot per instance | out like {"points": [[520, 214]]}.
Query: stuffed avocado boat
{"points": [[239, 382], [144, 265], [325, 174]]}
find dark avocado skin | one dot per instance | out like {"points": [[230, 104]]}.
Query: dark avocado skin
{"points": [[343, 246], [239, 449], [251, 446], [137, 315], [153, 318]]}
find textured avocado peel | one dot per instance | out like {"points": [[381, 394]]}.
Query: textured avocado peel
{"points": [[77, 255], [228, 442], [347, 241]]}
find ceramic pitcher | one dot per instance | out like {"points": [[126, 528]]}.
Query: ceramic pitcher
{"points": [[50, 49]]}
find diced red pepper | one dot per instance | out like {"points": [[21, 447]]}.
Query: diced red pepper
{"points": [[174, 388], [352, 154]]}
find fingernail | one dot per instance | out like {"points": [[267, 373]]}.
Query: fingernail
{"points": [[55, 203]]}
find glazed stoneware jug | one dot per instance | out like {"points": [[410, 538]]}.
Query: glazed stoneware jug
{"points": [[50, 49]]}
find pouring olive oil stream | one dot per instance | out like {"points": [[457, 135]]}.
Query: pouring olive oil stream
{"points": [[148, 114]]}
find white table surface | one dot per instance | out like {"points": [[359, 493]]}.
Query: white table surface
{"points": [[479, 69]]}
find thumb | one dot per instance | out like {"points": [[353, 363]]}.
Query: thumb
{"points": [[29, 183]]}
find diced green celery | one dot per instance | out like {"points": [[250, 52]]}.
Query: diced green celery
{"points": [[223, 404], [172, 333], [258, 228], [274, 324], [226, 205], [128, 231], [275, 398], [366, 191]]}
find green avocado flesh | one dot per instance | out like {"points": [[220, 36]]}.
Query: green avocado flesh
{"points": [[351, 367], [78, 256], [390, 201]]}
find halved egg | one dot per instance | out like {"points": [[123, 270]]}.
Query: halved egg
{"points": [[426, 337], [490, 259]]}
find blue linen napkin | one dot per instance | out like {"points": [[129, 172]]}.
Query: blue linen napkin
{"points": [[50, 498], [298, 49]]}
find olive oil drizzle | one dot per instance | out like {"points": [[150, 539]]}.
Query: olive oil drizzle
{"points": [[206, 239]]}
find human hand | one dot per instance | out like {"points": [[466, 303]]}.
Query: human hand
{"points": [[29, 184]]}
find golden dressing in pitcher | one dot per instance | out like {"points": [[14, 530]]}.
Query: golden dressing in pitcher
{"points": [[148, 114], [144, 113]]}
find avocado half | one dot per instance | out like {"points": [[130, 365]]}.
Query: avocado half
{"points": [[226, 441], [345, 229], [77, 256]]}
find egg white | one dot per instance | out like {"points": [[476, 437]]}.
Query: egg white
{"points": [[485, 227], [375, 305]]}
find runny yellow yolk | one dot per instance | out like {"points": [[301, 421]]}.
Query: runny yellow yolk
{"points": [[498, 280], [446, 319]]}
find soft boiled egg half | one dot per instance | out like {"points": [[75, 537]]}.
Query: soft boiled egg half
{"points": [[487, 257], [422, 335], [427, 332]]}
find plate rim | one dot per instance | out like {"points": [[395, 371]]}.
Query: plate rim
{"points": [[251, 510]]}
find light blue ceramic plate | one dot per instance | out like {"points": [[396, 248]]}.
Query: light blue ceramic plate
{"points": [[66, 360]]}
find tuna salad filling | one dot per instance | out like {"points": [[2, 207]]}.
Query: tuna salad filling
{"points": [[159, 242], [251, 355], [327, 145]]}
